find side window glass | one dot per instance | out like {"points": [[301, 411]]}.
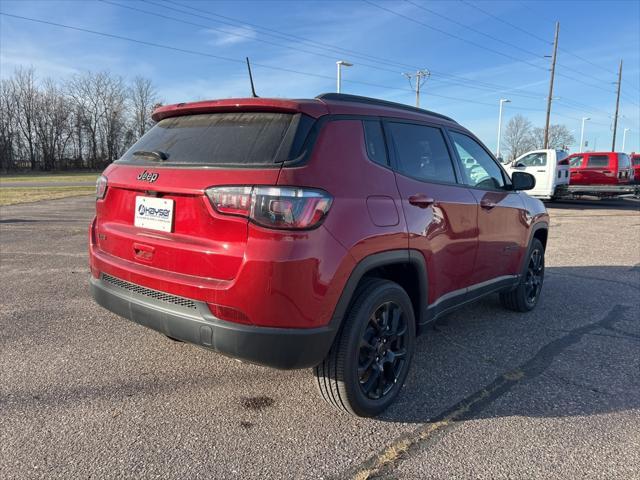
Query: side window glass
{"points": [[374, 139], [598, 161], [534, 160], [480, 170], [422, 152], [575, 161], [623, 161]]}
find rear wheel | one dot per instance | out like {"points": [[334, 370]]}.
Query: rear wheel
{"points": [[525, 297], [369, 360]]}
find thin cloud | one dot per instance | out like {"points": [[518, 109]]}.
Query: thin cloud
{"points": [[230, 36]]}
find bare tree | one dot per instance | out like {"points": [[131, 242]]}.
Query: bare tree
{"points": [[143, 98], [517, 136], [8, 133], [560, 137], [86, 122], [23, 99], [52, 124]]}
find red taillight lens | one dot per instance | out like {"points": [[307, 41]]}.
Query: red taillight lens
{"points": [[273, 207], [101, 187]]}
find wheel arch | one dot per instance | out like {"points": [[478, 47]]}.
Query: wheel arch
{"points": [[405, 267], [539, 231]]}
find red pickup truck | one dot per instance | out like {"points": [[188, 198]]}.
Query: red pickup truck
{"points": [[635, 164], [604, 174]]}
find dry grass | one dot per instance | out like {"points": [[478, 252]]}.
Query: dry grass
{"points": [[50, 177], [14, 195]]}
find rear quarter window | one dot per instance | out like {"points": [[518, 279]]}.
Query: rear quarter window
{"points": [[243, 139], [598, 161]]}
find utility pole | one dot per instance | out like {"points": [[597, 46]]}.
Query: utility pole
{"points": [[615, 118], [553, 73], [421, 77]]}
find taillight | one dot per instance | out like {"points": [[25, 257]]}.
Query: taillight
{"points": [[101, 187], [231, 200], [273, 207]]}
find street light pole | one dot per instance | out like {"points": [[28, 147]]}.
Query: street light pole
{"points": [[624, 137], [584, 119], [502, 101], [339, 65]]}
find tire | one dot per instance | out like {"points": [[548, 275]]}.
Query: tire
{"points": [[368, 363], [526, 295]]}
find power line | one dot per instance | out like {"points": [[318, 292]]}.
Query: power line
{"points": [[240, 61], [468, 27], [468, 83], [457, 37], [237, 34], [276, 33], [228, 59], [354, 54], [463, 81], [533, 35]]}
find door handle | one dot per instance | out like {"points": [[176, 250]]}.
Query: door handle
{"points": [[487, 204], [421, 201]]}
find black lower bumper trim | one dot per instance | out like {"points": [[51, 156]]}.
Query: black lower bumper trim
{"points": [[284, 348]]}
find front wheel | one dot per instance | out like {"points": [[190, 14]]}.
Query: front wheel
{"points": [[526, 295], [369, 360]]}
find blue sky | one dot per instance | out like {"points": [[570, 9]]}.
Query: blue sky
{"points": [[477, 52]]}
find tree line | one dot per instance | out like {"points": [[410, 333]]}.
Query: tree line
{"points": [[520, 136], [84, 122]]}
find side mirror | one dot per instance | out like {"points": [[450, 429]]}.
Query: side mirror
{"points": [[523, 181]]}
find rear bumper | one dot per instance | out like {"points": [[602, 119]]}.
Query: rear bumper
{"points": [[192, 322]]}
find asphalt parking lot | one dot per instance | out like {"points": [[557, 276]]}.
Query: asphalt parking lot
{"points": [[492, 394]]}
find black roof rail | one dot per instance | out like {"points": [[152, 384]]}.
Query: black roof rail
{"points": [[345, 97]]}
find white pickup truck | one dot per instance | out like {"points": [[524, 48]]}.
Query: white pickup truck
{"points": [[549, 167]]}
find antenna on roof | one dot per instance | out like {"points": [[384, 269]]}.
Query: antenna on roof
{"points": [[253, 90]]}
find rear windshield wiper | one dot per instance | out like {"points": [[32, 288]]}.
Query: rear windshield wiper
{"points": [[153, 154]]}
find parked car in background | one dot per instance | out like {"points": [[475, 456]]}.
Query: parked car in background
{"points": [[550, 169], [323, 233], [604, 174], [635, 165]]}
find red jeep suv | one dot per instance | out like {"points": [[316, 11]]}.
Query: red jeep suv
{"points": [[322, 233]]}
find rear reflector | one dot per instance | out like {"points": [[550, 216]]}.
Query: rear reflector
{"points": [[273, 207]]}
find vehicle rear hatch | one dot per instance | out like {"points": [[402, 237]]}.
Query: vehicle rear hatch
{"points": [[155, 212]]}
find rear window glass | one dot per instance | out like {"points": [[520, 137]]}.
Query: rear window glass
{"points": [[243, 138], [598, 161], [636, 160]]}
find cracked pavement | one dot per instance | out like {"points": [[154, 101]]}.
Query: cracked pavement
{"points": [[492, 394]]}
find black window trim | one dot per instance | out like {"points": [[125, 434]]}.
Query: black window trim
{"points": [[508, 186]]}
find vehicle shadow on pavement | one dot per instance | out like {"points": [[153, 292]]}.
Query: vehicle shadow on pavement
{"points": [[593, 203], [565, 358]]}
